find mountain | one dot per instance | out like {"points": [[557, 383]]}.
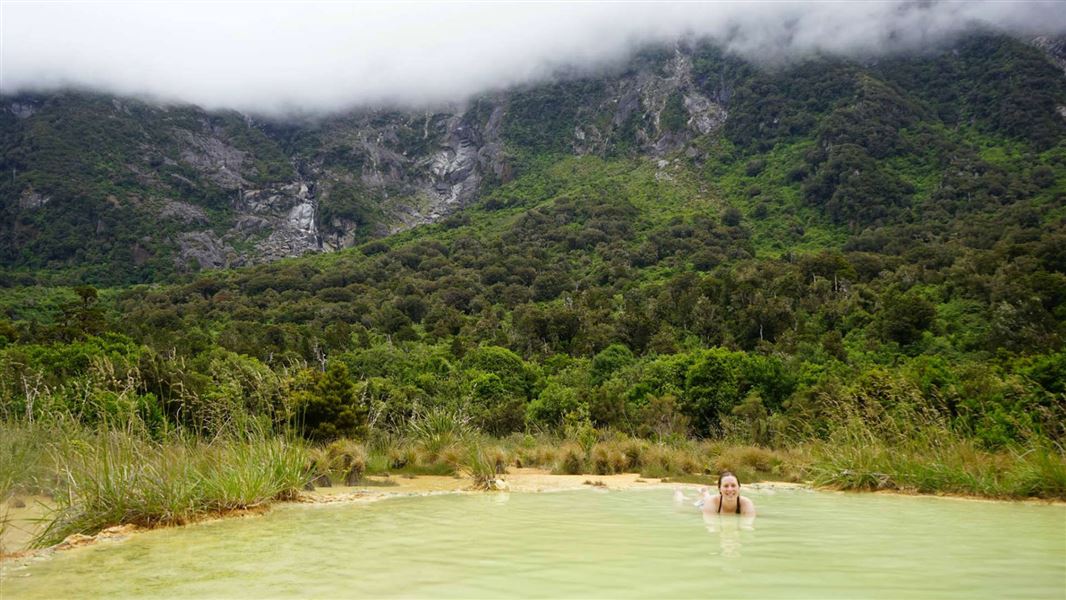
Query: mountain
{"points": [[116, 190]]}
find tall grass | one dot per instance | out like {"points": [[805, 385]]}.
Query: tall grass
{"points": [[483, 464], [439, 429], [123, 478], [109, 475], [24, 459], [919, 452], [24, 466]]}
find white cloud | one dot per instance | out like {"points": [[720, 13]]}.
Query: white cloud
{"points": [[278, 57]]}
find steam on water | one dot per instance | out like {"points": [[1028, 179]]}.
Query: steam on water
{"points": [[584, 544]]}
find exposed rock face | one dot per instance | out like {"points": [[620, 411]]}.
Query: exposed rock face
{"points": [[183, 212], [491, 155], [645, 97], [214, 158], [1054, 48], [30, 199], [343, 235], [454, 172], [420, 168], [287, 212], [204, 250], [21, 110], [295, 233]]}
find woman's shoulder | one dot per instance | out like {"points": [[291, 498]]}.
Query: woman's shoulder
{"points": [[710, 503]]}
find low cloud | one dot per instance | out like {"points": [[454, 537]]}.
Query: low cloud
{"points": [[283, 58]]}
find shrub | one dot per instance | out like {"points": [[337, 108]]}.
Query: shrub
{"points": [[570, 460], [348, 458]]}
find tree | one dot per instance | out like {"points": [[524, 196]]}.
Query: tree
{"points": [[903, 317], [712, 387], [608, 361], [328, 408], [662, 417], [555, 402]]}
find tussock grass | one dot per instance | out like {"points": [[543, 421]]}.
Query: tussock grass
{"points": [[108, 475], [116, 476], [608, 458], [25, 463], [318, 468], [633, 449], [437, 430], [348, 459], [660, 461], [543, 455], [570, 460], [432, 443], [752, 463], [924, 455], [482, 466]]}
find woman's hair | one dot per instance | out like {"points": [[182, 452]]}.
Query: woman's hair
{"points": [[725, 474]]}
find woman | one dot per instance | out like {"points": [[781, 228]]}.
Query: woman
{"points": [[728, 500]]}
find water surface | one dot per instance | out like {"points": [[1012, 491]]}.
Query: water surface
{"points": [[588, 543]]}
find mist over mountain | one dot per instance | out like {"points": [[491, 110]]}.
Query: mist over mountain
{"points": [[313, 58]]}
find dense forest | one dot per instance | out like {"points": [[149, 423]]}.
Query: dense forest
{"points": [[883, 241]]}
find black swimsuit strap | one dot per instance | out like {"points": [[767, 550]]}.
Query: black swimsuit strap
{"points": [[720, 500]]}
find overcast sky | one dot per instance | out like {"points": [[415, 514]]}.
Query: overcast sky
{"points": [[280, 57]]}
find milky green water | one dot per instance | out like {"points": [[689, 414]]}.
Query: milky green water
{"points": [[582, 544]]}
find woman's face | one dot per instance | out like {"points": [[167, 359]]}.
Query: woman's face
{"points": [[729, 487]]}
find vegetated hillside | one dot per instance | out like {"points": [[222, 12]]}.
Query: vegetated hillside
{"points": [[881, 240], [105, 190], [108, 190]]}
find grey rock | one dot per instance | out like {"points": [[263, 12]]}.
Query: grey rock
{"points": [[183, 212], [331, 242], [251, 224], [203, 249], [1054, 48], [30, 199], [214, 158], [22, 110]]}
